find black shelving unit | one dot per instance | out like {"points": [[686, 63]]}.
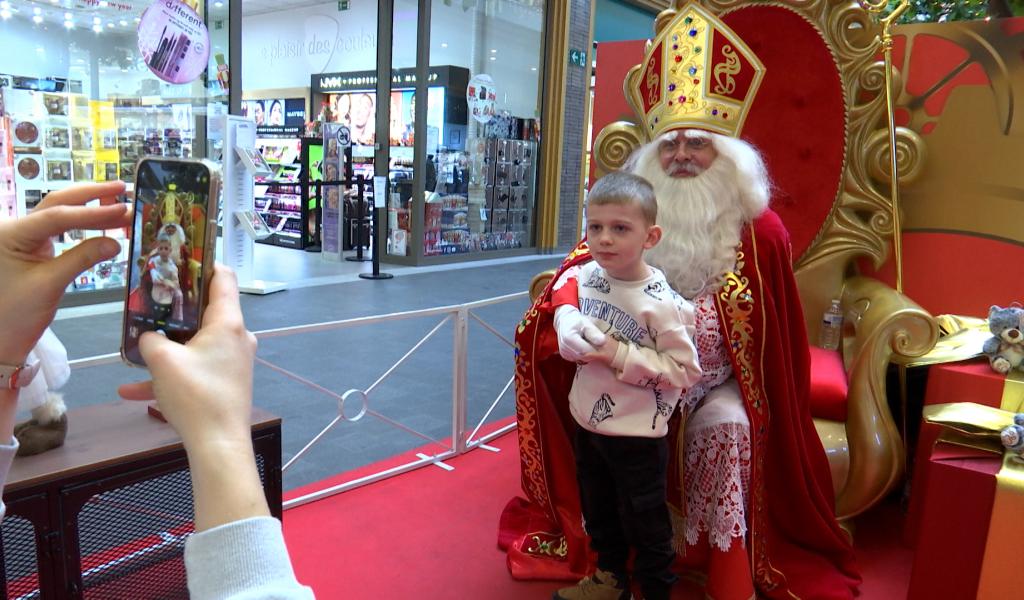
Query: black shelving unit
{"points": [[289, 205]]}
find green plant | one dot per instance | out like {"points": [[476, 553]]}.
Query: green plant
{"points": [[937, 11]]}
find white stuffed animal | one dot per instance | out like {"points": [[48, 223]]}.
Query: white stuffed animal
{"points": [[49, 424]]}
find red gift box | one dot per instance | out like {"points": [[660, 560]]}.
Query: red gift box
{"points": [[960, 490], [973, 381]]}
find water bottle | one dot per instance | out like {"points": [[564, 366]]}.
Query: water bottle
{"points": [[831, 327]]}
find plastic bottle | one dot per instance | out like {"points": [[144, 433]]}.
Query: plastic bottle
{"points": [[831, 327]]}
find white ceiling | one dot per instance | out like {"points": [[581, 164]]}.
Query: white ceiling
{"points": [[259, 7], [108, 11]]}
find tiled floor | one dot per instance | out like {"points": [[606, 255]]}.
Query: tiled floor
{"points": [[410, 408]]}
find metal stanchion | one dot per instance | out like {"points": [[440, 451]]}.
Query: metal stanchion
{"points": [[360, 221], [379, 214]]}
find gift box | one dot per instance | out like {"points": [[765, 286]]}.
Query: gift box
{"points": [[970, 525], [972, 381]]}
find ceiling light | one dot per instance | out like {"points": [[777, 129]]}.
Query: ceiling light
{"points": [[54, 1], [69, 24], [533, 68], [95, 20], [493, 51], [123, 23], [68, 16], [97, 28], [104, 4], [37, 11], [37, 19], [111, 25], [5, 5], [5, 14], [138, 19], [218, 4], [444, 44], [494, 58]]}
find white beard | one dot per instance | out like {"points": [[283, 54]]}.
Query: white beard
{"points": [[701, 218], [177, 240]]}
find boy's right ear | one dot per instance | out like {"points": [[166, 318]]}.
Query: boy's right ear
{"points": [[654, 233]]}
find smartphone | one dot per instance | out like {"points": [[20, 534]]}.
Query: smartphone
{"points": [[171, 252]]}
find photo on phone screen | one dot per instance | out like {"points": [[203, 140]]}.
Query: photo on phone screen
{"points": [[169, 250]]}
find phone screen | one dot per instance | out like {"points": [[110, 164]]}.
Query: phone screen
{"points": [[166, 270]]}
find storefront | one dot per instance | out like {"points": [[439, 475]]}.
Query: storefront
{"points": [[464, 168], [461, 167], [81, 104]]}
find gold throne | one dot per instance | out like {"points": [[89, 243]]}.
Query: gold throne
{"points": [[820, 121]]}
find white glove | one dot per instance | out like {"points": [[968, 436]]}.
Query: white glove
{"points": [[577, 335]]}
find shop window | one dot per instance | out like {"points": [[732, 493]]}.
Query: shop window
{"points": [[82, 103]]}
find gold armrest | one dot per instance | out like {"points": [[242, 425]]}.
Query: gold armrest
{"points": [[539, 282], [888, 327]]}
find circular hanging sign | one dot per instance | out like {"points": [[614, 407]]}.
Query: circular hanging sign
{"points": [[174, 41], [481, 96], [344, 136]]}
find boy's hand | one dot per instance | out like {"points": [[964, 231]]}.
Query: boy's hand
{"points": [[577, 335], [605, 353]]}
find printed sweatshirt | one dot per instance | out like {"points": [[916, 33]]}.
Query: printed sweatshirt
{"points": [[656, 359]]}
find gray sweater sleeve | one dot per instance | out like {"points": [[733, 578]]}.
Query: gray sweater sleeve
{"points": [[7, 452], [243, 560]]}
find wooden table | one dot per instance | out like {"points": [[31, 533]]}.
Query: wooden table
{"points": [[105, 515]]}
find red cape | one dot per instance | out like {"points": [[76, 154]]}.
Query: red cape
{"points": [[796, 547]]}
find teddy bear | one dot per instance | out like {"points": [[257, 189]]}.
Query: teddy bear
{"points": [[1012, 436], [1005, 349]]}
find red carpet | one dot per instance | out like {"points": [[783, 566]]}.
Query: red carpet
{"points": [[433, 534]]}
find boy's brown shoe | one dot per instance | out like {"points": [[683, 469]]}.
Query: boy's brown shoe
{"points": [[602, 585]]}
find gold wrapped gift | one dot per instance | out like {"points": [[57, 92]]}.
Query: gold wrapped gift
{"points": [[978, 426]]}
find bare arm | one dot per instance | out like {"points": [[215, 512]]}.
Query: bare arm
{"points": [[204, 389], [33, 281]]}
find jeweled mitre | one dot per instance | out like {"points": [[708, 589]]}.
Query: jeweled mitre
{"points": [[696, 73]]}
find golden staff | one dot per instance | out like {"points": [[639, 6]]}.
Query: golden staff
{"points": [[877, 7]]}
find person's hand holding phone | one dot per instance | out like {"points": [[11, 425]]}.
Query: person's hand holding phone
{"points": [[204, 387], [33, 279], [204, 390]]}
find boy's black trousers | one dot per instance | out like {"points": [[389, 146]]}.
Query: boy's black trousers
{"points": [[622, 484]]}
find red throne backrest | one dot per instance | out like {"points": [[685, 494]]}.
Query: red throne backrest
{"points": [[797, 121]]}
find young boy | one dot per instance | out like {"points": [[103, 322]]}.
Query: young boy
{"points": [[631, 334], [166, 293]]}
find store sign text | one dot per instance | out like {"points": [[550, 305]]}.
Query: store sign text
{"points": [[334, 83], [319, 46]]}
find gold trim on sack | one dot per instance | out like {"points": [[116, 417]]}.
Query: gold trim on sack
{"points": [[548, 548]]}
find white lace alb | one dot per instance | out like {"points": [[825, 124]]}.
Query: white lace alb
{"points": [[717, 469], [717, 481], [711, 351]]}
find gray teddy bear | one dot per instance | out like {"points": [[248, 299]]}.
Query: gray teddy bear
{"points": [[1005, 350]]}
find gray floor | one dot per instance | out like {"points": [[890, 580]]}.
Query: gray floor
{"points": [[417, 395]]}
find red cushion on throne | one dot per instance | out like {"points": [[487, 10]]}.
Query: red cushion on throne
{"points": [[829, 385]]}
